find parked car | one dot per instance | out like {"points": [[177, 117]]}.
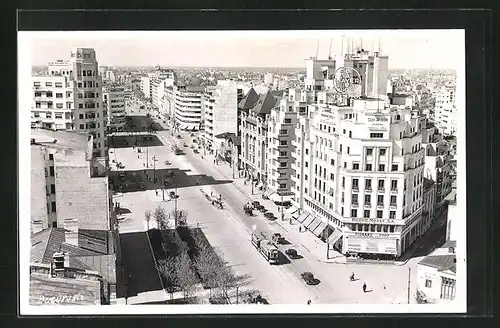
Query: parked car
{"points": [[196, 151], [255, 204], [277, 238], [179, 136], [292, 253], [262, 209], [168, 163], [309, 278], [269, 215], [172, 194]]}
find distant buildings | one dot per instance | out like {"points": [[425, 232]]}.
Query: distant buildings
{"points": [[69, 98], [68, 185], [146, 86], [268, 78]]}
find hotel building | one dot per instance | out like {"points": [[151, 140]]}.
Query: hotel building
{"points": [[359, 173], [69, 98]]}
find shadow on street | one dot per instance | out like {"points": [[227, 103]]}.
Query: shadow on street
{"points": [[149, 179], [134, 141]]}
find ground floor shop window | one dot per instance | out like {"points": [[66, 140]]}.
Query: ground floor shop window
{"points": [[447, 288]]}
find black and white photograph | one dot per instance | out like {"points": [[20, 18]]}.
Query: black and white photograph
{"points": [[179, 172]]}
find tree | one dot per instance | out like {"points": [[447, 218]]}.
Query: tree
{"points": [[167, 269], [186, 277], [147, 216], [226, 279], [180, 217], [161, 218], [208, 265]]}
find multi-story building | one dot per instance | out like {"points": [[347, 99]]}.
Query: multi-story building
{"points": [[146, 86], [268, 78], [281, 133], [254, 137], [159, 81], [188, 107], [445, 110], [438, 161], [359, 175], [109, 76], [69, 98], [114, 102], [67, 183], [317, 72], [220, 107], [428, 211]]}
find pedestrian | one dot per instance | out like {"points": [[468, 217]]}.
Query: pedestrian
{"points": [[300, 228], [308, 302], [156, 192], [364, 287]]}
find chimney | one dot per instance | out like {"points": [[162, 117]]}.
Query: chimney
{"points": [[60, 262], [71, 231]]}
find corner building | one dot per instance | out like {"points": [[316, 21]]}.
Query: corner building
{"points": [[359, 175]]}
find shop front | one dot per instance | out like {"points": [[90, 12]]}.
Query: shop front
{"points": [[373, 245]]}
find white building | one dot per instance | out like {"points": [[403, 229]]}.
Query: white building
{"points": [[220, 106], [69, 98], [268, 78], [254, 136], [359, 176], [188, 107], [281, 132], [437, 275], [109, 76], [445, 110], [114, 102], [67, 183], [146, 86], [317, 71]]}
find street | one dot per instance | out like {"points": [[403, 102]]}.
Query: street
{"points": [[229, 231]]}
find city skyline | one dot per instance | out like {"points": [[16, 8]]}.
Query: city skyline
{"points": [[423, 49]]}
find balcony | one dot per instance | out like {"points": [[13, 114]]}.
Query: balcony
{"points": [[393, 205], [379, 205], [394, 190], [381, 189], [355, 188], [368, 205], [368, 189], [355, 205]]}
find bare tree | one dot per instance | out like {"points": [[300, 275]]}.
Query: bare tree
{"points": [[161, 218], [167, 269], [226, 280], [147, 216], [180, 217], [208, 265], [185, 274]]}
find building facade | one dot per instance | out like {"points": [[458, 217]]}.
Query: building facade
{"points": [[220, 107], [254, 136], [359, 171], [114, 102], [445, 110], [146, 86], [188, 107], [70, 98], [70, 184]]}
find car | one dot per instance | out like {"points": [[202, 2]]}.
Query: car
{"points": [[172, 194], [179, 136], [196, 151], [255, 203], [168, 163], [309, 278], [269, 215], [262, 209], [185, 145], [292, 253]]}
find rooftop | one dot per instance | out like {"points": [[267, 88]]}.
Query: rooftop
{"points": [[49, 241], [265, 103], [249, 100], [59, 139], [442, 258]]}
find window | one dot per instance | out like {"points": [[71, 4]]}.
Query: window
{"points": [[80, 105], [355, 166], [381, 167], [82, 127], [54, 224], [393, 200], [428, 283], [307, 151], [59, 95], [288, 120], [48, 115], [367, 213], [354, 213], [48, 84], [52, 188], [53, 206], [354, 198], [447, 288], [382, 151], [391, 229], [343, 182], [306, 164], [355, 183], [368, 184], [332, 161], [283, 142], [332, 176], [379, 214], [368, 167], [51, 171], [342, 211], [392, 214], [368, 199], [348, 150], [380, 200], [343, 131], [394, 167], [51, 157], [376, 135], [340, 147], [282, 185], [394, 184], [350, 134], [369, 151], [59, 114]]}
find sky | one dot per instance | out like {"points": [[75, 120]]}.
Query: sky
{"points": [[406, 49]]}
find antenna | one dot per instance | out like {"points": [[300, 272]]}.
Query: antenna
{"points": [[317, 48], [330, 53], [361, 43], [342, 47]]}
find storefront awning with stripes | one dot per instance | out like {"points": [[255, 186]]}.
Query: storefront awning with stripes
{"points": [[303, 216]]}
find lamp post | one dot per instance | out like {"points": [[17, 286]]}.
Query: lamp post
{"points": [[327, 243], [154, 169], [282, 209]]}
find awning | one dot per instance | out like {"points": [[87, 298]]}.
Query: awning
{"points": [[315, 224], [292, 210], [268, 193], [334, 237], [309, 220], [319, 231], [303, 216]]}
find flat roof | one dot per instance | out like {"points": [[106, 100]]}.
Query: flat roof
{"points": [[60, 139]]}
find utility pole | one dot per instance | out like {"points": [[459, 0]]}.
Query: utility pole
{"points": [[154, 169], [237, 294], [251, 179], [162, 185], [327, 244], [409, 284], [147, 156]]}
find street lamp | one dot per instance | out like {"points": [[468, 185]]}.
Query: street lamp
{"points": [[282, 209], [154, 169]]}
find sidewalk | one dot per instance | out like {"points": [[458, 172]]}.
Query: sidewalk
{"points": [[309, 241]]}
